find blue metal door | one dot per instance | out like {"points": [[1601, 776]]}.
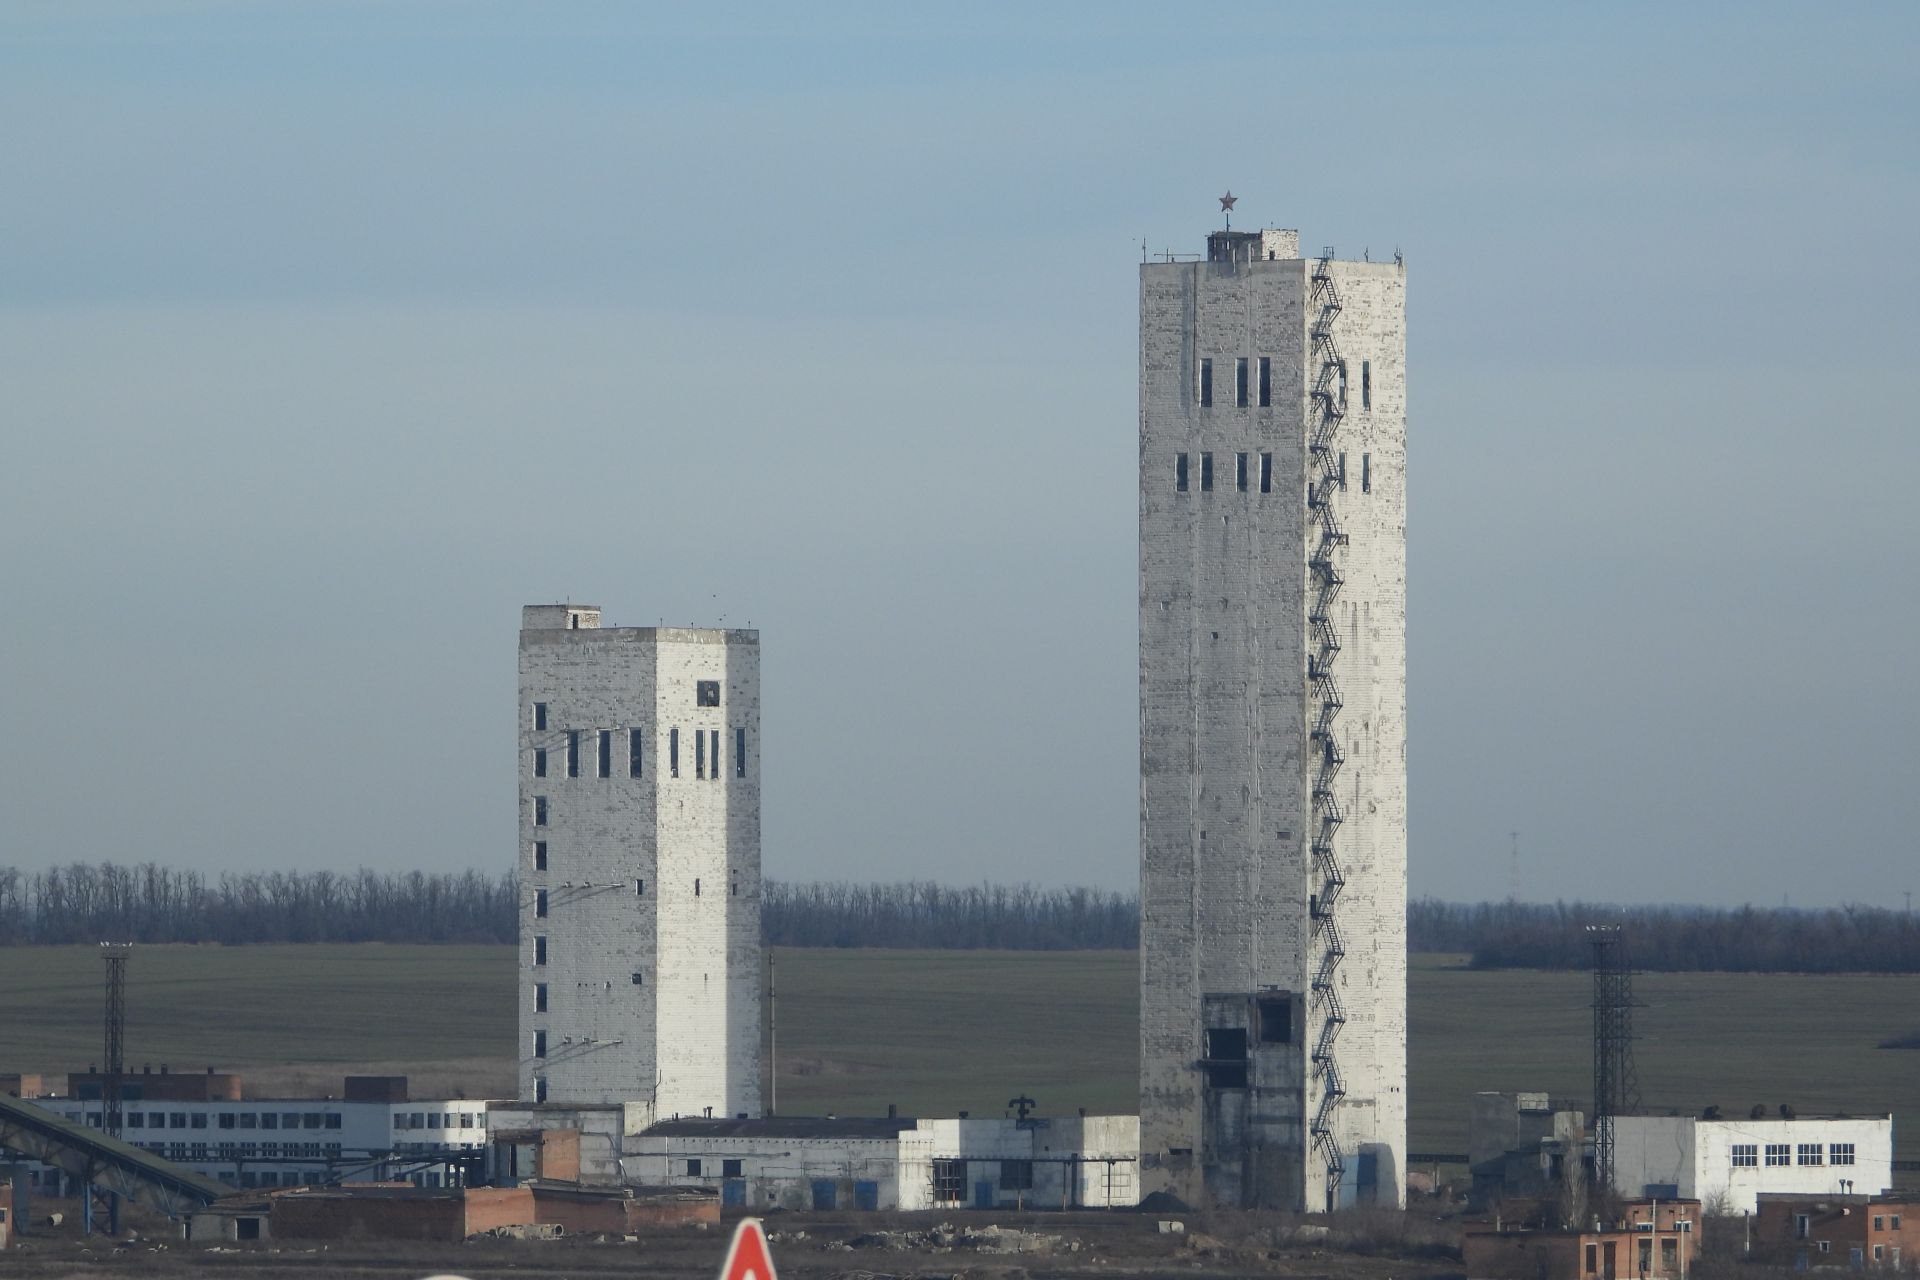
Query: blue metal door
{"points": [[825, 1194], [866, 1195], [733, 1193], [983, 1195]]}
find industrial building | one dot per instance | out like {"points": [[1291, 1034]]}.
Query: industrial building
{"points": [[1855, 1231], [1273, 810], [1729, 1163], [1650, 1240], [639, 865], [1524, 1145]]}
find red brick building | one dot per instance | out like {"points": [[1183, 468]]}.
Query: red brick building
{"points": [[1847, 1231], [1653, 1240]]}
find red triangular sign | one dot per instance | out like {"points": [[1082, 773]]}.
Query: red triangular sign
{"points": [[748, 1257]]}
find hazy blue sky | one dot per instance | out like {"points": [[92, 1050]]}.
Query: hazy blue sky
{"points": [[330, 334]]}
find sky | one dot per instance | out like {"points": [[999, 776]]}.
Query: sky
{"points": [[331, 334]]}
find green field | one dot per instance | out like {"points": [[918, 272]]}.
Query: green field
{"points": [[941, 1031]]}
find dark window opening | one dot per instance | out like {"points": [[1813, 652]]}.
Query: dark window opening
{"points": [[639, 888], [1206, 384], [1240, 471], [540, 1089], [693, 1168], [539, 762], [639, 980], [539, 811], [635, 751], [540, 948], [732, 1168], [1276, 1021], [1266, 381], [949, 1181], [539, 715], [699, 753], [706, 693], [740, 752], [736, 885], [1016, 1175], [1343, 473], [606, 753], [1226, 1061], [573, 753], [1366, 473], [1366, 384], [540, 904], [1341, 383], [713, 752], [539, 997], [539, 855], [1206, 473], [539, 1044], [1180, 473], [1240, 381], [1266, 473], [696, 887], [673, 752]]}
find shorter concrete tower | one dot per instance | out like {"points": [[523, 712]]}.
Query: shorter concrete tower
{"points": [[639, 864]]}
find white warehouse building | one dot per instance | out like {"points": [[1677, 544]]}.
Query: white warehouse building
{"points": [[1727, 1163]]}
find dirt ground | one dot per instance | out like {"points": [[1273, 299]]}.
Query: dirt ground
{"points": [[950, 1245]]}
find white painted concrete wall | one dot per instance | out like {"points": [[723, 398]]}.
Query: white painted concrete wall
{"points": [[1697, 1156], [652, 974], [1226, 874]]}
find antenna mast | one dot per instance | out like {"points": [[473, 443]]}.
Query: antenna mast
{"points": [[1616, 1086]]}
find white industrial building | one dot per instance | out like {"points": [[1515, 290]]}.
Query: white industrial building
{"points": [[639, 865], [1273, 810], [1727, 1163], [1061, 1162]]}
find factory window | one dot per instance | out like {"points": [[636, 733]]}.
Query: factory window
{"points": [[540, 904], [706, 693], [539, 1051], [1341, 475], [573, 753], [540, 1089], [1811, 1153], [198, 1120], [949, 1181], [713, 752], [539, 855], [1266, 381], [1840, 1153], [228, 1120], [1366, 473], [1670, 1254], [289, 1119], [1266, 473], [699, 753], [1240, 471], [539, 811], [639, 888], [333, 1119], [639, 980], [540, 948], [740, 752], [269, 1120], [1180, 473], [1340, 386], [1017, 1175], [1276, 1020], [1778, 1154], [1366, 384], [606, 753], [311, 1120], [693, 1168], [1746, 1155], [539, 715], [1206, 473], [1879, 1222], [732, 1168], [1206, 384], [1893, 1222], [539, 997], [1240, 381], [1226, 1058], [135, 1120], [696, 886], [539, 762], [1593, 1259], [673, 752], [635, 750]]}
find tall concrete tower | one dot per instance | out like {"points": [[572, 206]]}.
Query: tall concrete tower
{"points": [[639, 864], [1273, 818]]}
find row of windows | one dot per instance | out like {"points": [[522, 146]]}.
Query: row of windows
{"points": [[440, 1120], [706, 693], [242, 1150], [1264, 390], [541, 902], [1746, 1155], [1242, 475], [223, 1120], [706, 746]]}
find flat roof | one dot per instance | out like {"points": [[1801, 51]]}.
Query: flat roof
{"points": [[783, 1127]]}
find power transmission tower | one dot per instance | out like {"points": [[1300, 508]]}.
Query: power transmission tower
{"points": [[1616, 1086], [115, 954]]}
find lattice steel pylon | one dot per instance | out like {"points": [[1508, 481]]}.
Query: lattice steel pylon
{"points": [[115, 954], [1616, 1086]]}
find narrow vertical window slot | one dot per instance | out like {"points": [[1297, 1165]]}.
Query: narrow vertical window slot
{"points": [[606, 753], [539, 855], [1266, 381], [673, 752], [1366, 384], [539, 1044], [696, 886], [1343, 472], [1266, 473], [573, 753], [1366, 473], [1240, 382], [539, 762], [539, 997], [740, 751], [1206, 473], [539, 715], [639, 888], [699, 753], [540, 948], [1206, 383], [540, 1089], [713, 752], [539, 811], [1180, 473], [636, 748], [540, 904], [1240, 471]]}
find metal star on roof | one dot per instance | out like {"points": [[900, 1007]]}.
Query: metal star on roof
{"points": [[1227, 202]]}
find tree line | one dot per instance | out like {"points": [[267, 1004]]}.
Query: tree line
{"points": [[87, 902]]}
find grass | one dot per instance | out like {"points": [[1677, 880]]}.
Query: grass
{"points": [[940, 1031]]}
